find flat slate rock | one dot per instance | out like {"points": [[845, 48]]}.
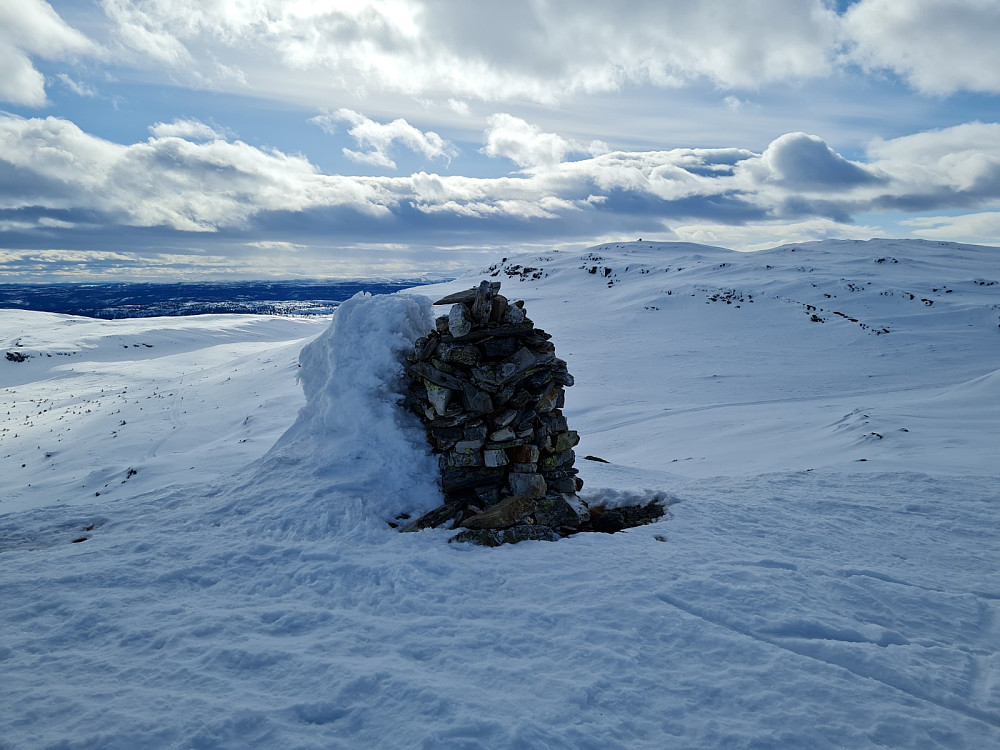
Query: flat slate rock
{"points": [[468, 295]]}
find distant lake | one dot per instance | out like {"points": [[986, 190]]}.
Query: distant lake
{"points": [[144, 300]]}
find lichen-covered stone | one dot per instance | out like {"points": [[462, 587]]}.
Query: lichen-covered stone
{"points": [[561, 510], [459, 354], [563, 441]]}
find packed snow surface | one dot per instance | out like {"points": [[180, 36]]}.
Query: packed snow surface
{"points": [[195, 549]]}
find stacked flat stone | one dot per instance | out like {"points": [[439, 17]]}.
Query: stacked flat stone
{"points": [[489, 388]]}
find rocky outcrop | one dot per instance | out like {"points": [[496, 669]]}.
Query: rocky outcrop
{"points": [[490, 390]]}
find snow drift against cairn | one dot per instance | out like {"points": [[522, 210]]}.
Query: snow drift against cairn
{"points": [[352, 377]]}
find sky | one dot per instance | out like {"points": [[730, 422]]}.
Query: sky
{"points": [[197, 139]]}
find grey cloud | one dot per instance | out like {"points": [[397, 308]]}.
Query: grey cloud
{"points": [[801, 161], [188, 179]]}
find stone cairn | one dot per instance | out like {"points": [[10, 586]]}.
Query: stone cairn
{"points": [[489, 388]]}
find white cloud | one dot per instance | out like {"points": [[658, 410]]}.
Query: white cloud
{"points": [[191, 177], [186, 128], [277, 245], [494, 52], [960, 163], [527, 146], [980, 228], [523, 143], [939, 46], [78, 88], [459, 107], [168, 180], [32, 28], [378, 139], [758, 236], [148, 28]]}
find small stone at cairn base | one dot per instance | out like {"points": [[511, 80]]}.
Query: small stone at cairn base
{"points": [[489, 389]]}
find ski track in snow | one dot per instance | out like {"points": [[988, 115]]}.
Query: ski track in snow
{"points": [[241, 590]]}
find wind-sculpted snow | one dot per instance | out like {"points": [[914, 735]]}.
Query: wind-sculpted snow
{"points": [[353, 443], [827, 577]]}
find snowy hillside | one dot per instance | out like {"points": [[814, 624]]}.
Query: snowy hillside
{"points": [[194, 549]]}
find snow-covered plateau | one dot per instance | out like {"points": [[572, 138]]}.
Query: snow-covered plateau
{"points": [[195, 549]]}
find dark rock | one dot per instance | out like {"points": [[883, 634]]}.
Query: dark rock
{"points": [[475, 431], [513, 535], [561, 484], [564, 441], [524, 454], [475, 400], [528, 485], [549, 400], [429, 347], [460, 354], [608, 522], [639, 515], [437, 517], [427, 372], [500, 306], [459, 320], [454, 480], [489, 387], [498, 348], [561, 510], [503, 515], [482, 305], [495, 457], [468, 295]]}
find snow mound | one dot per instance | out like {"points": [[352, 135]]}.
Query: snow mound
{"points": [[353, 458]]}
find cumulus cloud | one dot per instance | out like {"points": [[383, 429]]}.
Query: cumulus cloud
{"points": [[167, 180], [957, 166], [192, 177], [514, 50], [805, 162], [32, 28], [939, 46], [527, 146], [378, 139], [151, 29]]}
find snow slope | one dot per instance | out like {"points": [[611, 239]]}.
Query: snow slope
{"points": [[828, 576]]}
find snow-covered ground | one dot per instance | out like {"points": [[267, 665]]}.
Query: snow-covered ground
{"points": [[824, 418]]}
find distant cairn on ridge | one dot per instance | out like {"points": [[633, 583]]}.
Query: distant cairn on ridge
{"points": [[489, 389]]}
